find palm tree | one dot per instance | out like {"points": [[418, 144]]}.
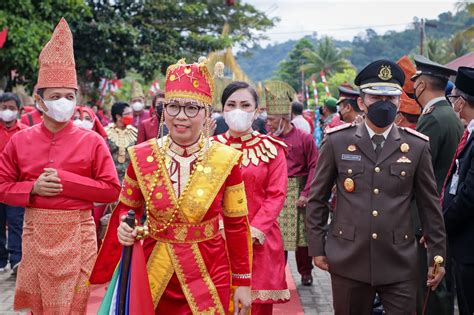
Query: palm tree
{"points": [[326, 57], [468, 33], [458, 46], [436, 49]]}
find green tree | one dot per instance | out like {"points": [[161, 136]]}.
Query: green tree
{"points": [[326, 57], [437, 50], [346, 76], [289, 69], [112, 37], [30, 24]]}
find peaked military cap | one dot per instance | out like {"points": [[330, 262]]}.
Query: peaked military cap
{"points": [[424, 66], [381, 77], [465, 80], [347, 92]]}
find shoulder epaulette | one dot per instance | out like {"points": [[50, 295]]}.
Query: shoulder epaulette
{"points": [[429, 110], [416, 133], [340, 127]]}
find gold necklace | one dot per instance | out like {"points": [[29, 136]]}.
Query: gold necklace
{"points": [[177, 206]]}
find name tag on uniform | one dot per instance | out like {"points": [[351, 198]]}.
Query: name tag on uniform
{"points": [[455, 180], [351, 157]]}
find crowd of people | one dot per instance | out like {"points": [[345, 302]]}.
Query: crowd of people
{"points": [[383, 200]]}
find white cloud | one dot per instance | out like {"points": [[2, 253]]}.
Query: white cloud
{"points": [[345, 19]]}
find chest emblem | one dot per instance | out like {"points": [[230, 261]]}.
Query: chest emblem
{"points": [[404, 147], [403, 159], [349, 185], [351, 148]]}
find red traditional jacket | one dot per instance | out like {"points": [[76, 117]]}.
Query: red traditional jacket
{"points": [[190, 266], [265, 175]]}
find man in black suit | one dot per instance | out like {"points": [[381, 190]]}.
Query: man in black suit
{"points": [[458, 194]]}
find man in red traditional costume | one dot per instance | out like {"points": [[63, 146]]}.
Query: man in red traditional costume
{"points": [[186, 182], [301, 161], [56, 171], [265, 176], [137, 101]]}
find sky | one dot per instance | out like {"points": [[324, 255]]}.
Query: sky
{"points": [[344, 19]]}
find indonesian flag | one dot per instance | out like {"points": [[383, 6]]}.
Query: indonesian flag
{"points": [[115, 85], [326, 87], [3, 37], [315, 91], [154, 88]]}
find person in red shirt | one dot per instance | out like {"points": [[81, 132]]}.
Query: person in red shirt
{"points": [[301, 162], [10, 215], [56, 171]]}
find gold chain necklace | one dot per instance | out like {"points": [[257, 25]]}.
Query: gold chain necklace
{"points": [[177, 206]]}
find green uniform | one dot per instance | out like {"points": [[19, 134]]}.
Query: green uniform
{"points": [[444, 128]]}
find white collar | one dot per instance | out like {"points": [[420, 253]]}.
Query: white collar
{"points": [[432, 102], [372, 133], [470, 126]]}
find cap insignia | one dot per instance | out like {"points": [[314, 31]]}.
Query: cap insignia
{"points": [[385, 73]]}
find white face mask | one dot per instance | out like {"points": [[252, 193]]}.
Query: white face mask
{"points": [[60, 110], [8, 115], [279, 131], [77, 122], [263, 115], [239, 120], [87, 124], [138, 106]]}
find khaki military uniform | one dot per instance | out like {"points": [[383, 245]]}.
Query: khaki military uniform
{"points": [[371, 237]]}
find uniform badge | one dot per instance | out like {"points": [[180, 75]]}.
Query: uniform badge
{"points": [[385, 73], [404, 147], [349, 185], [403, 159], [351, 148]]}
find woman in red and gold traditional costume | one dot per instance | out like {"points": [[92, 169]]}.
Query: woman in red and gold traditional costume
{"points": [[186, 182], [265, 176]]}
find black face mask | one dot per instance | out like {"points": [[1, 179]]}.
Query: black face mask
{"points": [[382, 113], [416, 97]]}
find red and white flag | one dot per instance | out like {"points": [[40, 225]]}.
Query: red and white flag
{"points": [[154, 88]]}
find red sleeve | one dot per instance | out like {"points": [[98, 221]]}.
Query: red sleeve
{"points": [[238, 239], [13, 191], [141, 133], [275, 193], [311, 155], [102, 187], [109, 254]]}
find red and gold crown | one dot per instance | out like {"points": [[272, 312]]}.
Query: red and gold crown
{"points": [[57, 67], [189, 81]]}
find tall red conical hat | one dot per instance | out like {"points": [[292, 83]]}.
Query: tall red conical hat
{"points": [[56, 61]]}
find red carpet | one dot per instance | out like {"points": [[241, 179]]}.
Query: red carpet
{"points": [[292, 307]]}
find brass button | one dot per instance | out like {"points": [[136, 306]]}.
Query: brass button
{"points": [[406, 236], [340, 232], [377, 169], [349, 171], [376, 191], [403, 173], [374, 236], [375, 213]]}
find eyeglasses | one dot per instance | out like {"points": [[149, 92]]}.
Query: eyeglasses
{"points": [[452, 98], [191, 110]]}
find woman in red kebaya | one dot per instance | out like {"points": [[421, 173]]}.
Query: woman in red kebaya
{"points": [[264, 172]]}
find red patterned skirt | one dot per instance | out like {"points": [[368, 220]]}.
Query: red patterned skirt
{"points": [[59, 251]]}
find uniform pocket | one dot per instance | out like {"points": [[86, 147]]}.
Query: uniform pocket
{"points": [[345, 231], [402, 235]]}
